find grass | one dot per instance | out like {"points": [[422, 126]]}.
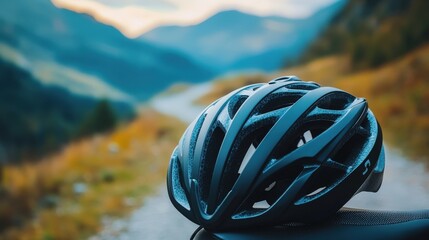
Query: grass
{"points": [[325, 70], [397, 92], [67, 195]]}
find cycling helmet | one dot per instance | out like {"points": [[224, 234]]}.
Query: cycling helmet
{"points": [[270, 153]]}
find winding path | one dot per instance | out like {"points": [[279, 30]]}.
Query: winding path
{"points": [[405, 186]]}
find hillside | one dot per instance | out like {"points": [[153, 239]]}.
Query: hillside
{"points": [[234, 40], [397, 92], [372, 33], [69, 49], [37, 119], [70, 194]]}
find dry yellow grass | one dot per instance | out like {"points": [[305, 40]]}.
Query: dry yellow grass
{"points": [[176, 88], [326, 70], [398, 93], [116, 169]]}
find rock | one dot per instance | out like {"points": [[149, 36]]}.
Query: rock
{"points": [[113, 148], [80, 188]]}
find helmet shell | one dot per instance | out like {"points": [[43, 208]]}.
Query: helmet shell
{"points": [[276, 152]]}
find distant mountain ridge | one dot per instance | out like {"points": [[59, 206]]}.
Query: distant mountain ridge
{"points": [[217, 37], [61, 39], [234, 40]]}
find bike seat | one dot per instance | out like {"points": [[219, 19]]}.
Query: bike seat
{"points": [[347, 224]]}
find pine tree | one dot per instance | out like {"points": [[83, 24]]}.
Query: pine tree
{"points": [[100, 120]]}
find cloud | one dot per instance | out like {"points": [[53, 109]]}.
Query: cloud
{"points": [[151, 4], [134, 17]]}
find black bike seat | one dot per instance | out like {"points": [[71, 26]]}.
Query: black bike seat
{"points": [[347, 224]]}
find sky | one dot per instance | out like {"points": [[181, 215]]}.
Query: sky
{"points": [[135, 17]]}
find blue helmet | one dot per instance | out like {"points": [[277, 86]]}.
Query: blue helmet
{"points": [[276, 152]]}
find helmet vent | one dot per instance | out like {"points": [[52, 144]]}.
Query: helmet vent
{"points": [[348, 153], [261, 205], [286, 78], [267, 193], [279, 102], [300, 136], [321, 181], [302, 86], [316, 191], [212, 150], [267, 189], [239, 157], [247, 157], [365, 128], [193, 142], [305, 138], [178, 183], [235, 104], [336, 101]]}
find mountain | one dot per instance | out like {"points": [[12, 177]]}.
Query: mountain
{"points": [[36, 119], [59, 44], [235, 40], [374, 32], [303, 34]]}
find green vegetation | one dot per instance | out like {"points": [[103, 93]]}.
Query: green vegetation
{"points": [[66, 195], [37, 119], [372, 33], [100, 120]]}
